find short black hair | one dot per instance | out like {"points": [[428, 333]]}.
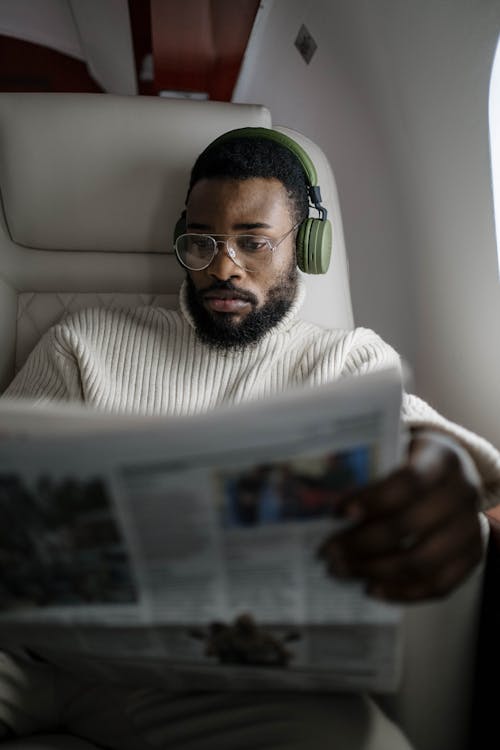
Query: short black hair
{"points": [[243, 157]]}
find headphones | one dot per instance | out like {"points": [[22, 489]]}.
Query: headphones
{"points": [[314, 237]]}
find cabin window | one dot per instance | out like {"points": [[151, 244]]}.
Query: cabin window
{"points": [[494, 107]]}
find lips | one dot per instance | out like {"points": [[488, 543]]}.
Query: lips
{"points": [[223, 294], [225, 300]]}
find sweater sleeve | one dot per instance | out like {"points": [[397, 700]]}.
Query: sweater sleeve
{"points": [[51, 371], [417, 413], [368, 353]]}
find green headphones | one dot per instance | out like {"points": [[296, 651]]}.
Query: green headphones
{"points": [[314, 237]]}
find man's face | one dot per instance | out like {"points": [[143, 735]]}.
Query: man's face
{"points": [[231, 306]]}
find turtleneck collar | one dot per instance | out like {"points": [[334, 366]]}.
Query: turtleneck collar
{"points": [[283, 325]]}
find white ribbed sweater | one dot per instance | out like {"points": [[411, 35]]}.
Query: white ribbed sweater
{"points": [[150, 360]]}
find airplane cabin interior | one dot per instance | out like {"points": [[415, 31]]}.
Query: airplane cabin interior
{"points": [[105, 104]]}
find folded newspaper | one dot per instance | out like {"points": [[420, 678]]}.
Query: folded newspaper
{"points": [[183, 550]]}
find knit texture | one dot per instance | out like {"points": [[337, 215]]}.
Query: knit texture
{"points": [[150, 361]]}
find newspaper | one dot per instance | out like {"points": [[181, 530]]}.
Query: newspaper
{"points": [[183, 550]]}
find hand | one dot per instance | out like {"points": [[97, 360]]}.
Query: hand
{"points": [[417, 533]]}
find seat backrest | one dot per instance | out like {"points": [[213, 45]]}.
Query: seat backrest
{"points": [[92, 187]]}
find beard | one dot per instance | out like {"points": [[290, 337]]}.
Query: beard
{"points": [[221, 331]]}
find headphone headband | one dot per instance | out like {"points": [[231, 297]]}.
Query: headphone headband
{"points": [[281, 138]]}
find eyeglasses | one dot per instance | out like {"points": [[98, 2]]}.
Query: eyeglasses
{"points": [[248, 251]]}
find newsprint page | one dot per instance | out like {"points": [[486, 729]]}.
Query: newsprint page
{"points": [[183, 550]]}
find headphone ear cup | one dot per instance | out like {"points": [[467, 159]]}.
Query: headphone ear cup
{"points": [[314, 246], [180, 227], [320, 246], [301, 244]]}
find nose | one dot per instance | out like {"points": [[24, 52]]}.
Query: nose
{"points": [[224, 265]]}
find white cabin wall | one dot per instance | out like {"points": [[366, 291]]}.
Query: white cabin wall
{"points": [[95, 31], [429, 70], [323, 101], [397, 96], [47, 22]]}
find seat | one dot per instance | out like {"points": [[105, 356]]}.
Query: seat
{"points": [[90, 198], [91, 187]]}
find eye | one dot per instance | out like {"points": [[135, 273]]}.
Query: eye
{"points": [[201, 241], [199, 244], [250, 244]]}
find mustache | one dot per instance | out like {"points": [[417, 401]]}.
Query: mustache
{"points": [[228, 286]]}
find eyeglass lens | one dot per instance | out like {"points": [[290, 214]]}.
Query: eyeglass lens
{"points": [[196, 251]]}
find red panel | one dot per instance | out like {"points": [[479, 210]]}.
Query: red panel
{"points": [[198, 45], [140, 22], [231, 24], [182, 44], [25, 66]]}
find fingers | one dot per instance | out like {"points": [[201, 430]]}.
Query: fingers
{"points": [[423, 567], [417, 533], [391, 521], [429, 568], [427, 470], [416, 589], [384, 497]]}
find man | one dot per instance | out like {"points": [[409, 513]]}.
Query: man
{"points": [[237, 337]]}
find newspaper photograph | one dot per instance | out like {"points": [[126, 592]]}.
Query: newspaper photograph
{"points": [[185, 550]]}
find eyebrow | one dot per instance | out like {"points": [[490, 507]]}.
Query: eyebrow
{"points": [[242, 225]]}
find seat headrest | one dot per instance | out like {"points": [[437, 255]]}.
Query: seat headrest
{"points": [[100, 172]]}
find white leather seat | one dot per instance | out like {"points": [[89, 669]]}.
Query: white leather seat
{"points": [[91, 188]]}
